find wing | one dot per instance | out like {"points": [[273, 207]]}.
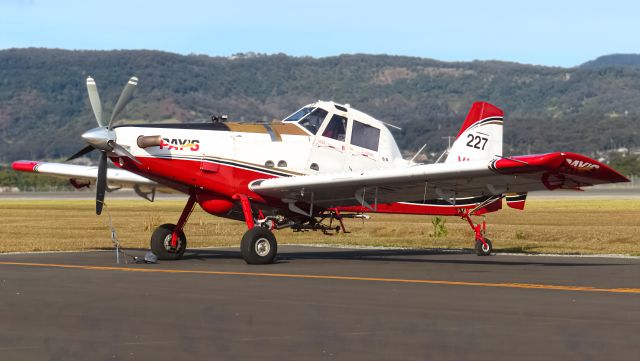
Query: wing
{"points": [[444, 180], [85, 175]]}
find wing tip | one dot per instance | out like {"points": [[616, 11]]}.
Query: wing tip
{"points": [[25, 165], [570, 164]]}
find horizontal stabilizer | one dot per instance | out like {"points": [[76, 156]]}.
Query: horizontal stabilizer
{"points": [[516, 200]]}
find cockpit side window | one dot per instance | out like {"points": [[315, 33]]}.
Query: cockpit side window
{"points": [[313, 120], [365, 136], [299, 114], [336, 129]]}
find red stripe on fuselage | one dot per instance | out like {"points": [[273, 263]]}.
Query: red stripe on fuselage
{"points": [[226, 180]]}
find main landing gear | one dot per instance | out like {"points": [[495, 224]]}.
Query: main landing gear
{"points": [[168, 241], [259, 245], [483, 246]]}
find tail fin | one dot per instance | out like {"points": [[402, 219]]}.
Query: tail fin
{"points": [[480, 136]]}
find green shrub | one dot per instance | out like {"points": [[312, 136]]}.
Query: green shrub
{"points": [[439, 230]]}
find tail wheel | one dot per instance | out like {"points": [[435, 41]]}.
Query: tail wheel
{"points": [[161, 243], [484, 249], [258, 246]]}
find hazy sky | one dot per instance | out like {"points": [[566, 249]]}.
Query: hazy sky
{"points": [[563, 33]]}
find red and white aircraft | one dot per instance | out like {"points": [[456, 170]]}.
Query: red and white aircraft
{"points": [[323, 163]]}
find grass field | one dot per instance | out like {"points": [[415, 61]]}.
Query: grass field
{"points": [[590, 226]]}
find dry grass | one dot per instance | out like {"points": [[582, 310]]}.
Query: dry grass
{"points": [[553, 226]]}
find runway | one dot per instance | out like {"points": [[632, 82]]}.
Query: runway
{"points": [[319, 303]]}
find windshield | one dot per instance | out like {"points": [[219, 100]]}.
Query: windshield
{"points": [[313, 120], [299, 114]]}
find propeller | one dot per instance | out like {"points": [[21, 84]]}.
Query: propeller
{"points": [[82, 152], [101, 184], [124, 99], [103, 138]]}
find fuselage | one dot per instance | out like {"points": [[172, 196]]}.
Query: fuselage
{"points": [[217, 160]]}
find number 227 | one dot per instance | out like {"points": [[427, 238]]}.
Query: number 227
{"points": [[478, 139]]}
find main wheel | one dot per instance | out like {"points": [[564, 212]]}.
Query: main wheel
{"points": [[161, 243], [258, 246], [483, 249]]}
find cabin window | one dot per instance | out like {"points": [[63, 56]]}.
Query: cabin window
{"points": [[282, 164], [299, 114], [365, 136], [313, 120], [269, 164], [336, 129]]}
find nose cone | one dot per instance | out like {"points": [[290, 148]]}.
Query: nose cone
{"points": [[99, 138]]}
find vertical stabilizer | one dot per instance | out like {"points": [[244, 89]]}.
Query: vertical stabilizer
{"points": [[480, 137]]}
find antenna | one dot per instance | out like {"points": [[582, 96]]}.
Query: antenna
{"points": [[392, 126], [446, 151], [418, 152], [448, 138]]}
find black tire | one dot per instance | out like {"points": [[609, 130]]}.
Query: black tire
{"points": [[161, 243], [258, 246], [484, 251]]}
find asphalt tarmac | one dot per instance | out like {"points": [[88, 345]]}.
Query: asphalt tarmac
{"points": [[319, 304]]}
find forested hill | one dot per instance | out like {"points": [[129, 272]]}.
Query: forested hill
{"points": [[630, 60], [44, 107]]}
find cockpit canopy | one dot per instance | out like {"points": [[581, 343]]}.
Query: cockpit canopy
{"points": [[342, 124], [312, 118]]}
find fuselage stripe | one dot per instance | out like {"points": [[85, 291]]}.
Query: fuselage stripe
{"points": [[227, 162]]}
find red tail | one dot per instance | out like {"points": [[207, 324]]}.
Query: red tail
{"points": [[479, 111]]}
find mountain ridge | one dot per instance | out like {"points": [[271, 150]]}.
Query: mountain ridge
{"points": [[43, 98]]}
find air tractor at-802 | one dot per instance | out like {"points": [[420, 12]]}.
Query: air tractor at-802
{"points": [[309, 171]]}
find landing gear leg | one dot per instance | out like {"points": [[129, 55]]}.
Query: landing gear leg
{"points": [[336, 214], [259, 245], [168, 241], [483, 245]]}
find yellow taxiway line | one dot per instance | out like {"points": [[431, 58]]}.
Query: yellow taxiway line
{"points": [[330, 277]]}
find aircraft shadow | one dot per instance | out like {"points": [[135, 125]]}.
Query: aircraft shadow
{"points": [[391, 255]]}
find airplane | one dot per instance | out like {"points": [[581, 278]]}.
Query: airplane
{"points": [[323, 163]]}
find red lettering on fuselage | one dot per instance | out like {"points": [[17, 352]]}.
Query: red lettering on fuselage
{"points": [[179, 144]]}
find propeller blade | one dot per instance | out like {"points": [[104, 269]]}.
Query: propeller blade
{"points": [[124, 99], [82, 152], [101, 184], [121, 151], [94, 99]]}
